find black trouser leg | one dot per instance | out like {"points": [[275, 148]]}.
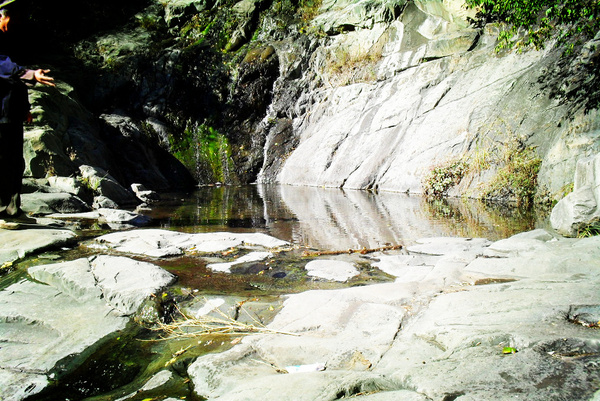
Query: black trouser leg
{"points": [[12, 166]]}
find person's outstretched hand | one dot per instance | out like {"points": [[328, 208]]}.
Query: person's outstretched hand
{"points": [[41, 77]]}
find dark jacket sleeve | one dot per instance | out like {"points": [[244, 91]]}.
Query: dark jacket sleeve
{"points": [[9, 69], [14, 103]]}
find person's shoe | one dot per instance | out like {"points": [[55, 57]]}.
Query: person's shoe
{"points": [[9, 225]]}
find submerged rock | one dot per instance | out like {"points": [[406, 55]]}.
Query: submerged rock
{"points": [[251, 257], [72, 307]]}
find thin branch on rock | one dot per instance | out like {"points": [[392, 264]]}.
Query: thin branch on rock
{"points": [[362, 251]]}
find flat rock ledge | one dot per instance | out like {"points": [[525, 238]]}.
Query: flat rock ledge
{"points": [[32, 238], [162, 243], [466, 319], [71, 307], [16, 244]]}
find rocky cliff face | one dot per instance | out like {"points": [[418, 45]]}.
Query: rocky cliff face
{"points": [[423, 90], [385, 95]]}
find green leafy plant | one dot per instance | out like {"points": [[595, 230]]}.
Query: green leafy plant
{"points": [[213, 26], [532, 22], [517, 176], [205, 152], [309, 9], [441, 178], [183, 148], [214, 153], [91, 183]]}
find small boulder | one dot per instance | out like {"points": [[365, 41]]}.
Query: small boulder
{"points": [[579, 209], [103, 184], [144, 194], [39, 203], [102, 202], [123, 217], [69, 185]]}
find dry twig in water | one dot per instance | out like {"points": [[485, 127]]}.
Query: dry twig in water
{"points": [[363, 251], [191, 327]]}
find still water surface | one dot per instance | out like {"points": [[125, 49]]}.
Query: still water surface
{"points": [[338, 219]]}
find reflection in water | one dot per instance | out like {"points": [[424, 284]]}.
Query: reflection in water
{"points": [[336, 219]]}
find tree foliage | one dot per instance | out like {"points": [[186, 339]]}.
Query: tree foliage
{"points": [[533, 22]]}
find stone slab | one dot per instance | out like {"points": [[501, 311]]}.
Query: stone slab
{"points": [[70, 308], [16, 244]]}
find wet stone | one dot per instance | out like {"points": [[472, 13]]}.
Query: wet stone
{"points": [[586, 315], [69, 310], [334, 270]]}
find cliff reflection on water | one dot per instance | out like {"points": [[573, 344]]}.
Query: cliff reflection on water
{"points": [[325, 218]]}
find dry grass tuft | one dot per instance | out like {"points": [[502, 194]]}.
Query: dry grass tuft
{"points": [[193, 327]]}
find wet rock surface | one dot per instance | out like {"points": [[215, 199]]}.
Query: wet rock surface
{"points": [[527, 303], [17, 244], [454, 311], [70, 308], [161, 243], [452, 318]]}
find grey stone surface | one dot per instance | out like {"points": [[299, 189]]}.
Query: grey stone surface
{"points": [[70, 185], [161, 243], [71, 307], [335, 270], [144, 194], [437, 333], [178, 10], [336, 16], [434, 91], [126, 283], [102, 183], [16, 244], [225, 267], [41, 203], [580, 208], [104, 215]]}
